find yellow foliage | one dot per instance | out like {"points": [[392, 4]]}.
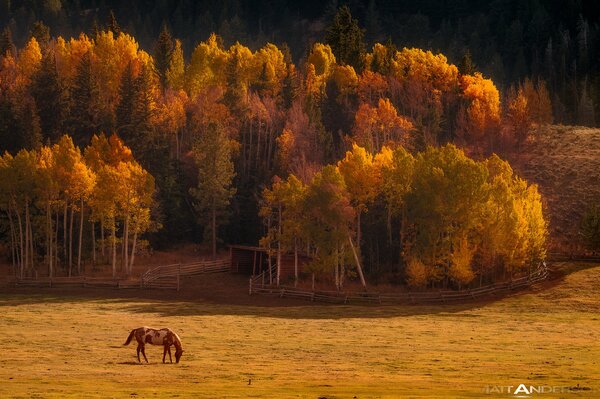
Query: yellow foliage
{"points": [[461, 258], [483, 110], [69, 54], [380, 126], [425, 68], [29, 61], [207, 66], [417, 274], [322, 58], [345, 79], [362, 178]]}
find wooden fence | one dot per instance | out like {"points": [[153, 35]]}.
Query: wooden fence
{"points": [[257, 286], [160, 277], [78, 281], [169, 276]]}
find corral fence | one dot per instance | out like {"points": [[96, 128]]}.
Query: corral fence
{"points": [[565, 257], [169, 276], [258, 286], [159, 277]]}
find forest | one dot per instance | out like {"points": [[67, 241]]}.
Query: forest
{"points": [[377, 161]]}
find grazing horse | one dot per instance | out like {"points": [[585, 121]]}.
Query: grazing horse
{"points": [[164, 337]]}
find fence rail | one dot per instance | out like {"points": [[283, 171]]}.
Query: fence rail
{"points": [[160, 277], [442, 296], [168, 276]]}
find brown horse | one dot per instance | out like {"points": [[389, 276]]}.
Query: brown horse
{"points": [[164, 337]]}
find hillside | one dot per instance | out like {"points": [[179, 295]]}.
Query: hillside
{"points": [[565, 162]]}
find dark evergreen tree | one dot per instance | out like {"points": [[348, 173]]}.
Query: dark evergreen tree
{"points": [[41, 33], [346, 39], [163, 52], [84, 103], [235, 91], [466, 65], [112, 24], [290, 87], [50, 98], [6, 42]]}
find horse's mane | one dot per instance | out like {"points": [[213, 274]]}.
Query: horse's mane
{"points": [[176, 336]]}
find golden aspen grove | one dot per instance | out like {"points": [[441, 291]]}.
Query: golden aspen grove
{"points": [[342, 199]]}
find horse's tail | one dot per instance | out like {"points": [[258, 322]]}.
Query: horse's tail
{"points": [[130, 337]]}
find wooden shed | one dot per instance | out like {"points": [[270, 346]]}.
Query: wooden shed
{"points": [[251, 261]]}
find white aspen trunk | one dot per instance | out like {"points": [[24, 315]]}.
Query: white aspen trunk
{"points": [[126, 245], [22, 248], [94, 243], [279, 248], [65, 213], [114, 247], [49, 239], [389, 225], [214, 233], [269, 252], [177, 144], [357, 260], [135, 234], [56, 238], [13, 240], [342, 267], [31, 251], [27, 254], [80, 237], [71, 240], [358, 231], [337, 270], [102, 239], [295, 262], [402, 233]]}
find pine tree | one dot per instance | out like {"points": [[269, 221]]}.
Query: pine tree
{"points": [[50, 98], [6, 43], [466, 65], [289, 90], [175, 74], [163, 54], [41, 32], [112, 24], [346, 39], [85, 96], [213, 155], [134, 114], [235, 91]]}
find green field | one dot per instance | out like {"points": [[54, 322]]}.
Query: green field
{"points": [[72, 347]]}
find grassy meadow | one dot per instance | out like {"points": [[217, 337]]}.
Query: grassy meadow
{"points": [[71, 347]]}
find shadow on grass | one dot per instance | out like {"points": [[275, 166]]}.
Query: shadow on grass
{"points": [[234, 301]]}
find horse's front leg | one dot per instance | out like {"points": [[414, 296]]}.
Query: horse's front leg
{"points": [[165, 352], [170, 359]]}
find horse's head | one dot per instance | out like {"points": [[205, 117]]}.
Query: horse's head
{"points": [[178, 354]]}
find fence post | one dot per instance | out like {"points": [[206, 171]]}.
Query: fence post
{"points": [[178, 273], [250, 287]]}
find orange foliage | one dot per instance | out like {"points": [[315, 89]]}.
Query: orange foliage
{"points": [[482, 114], [380, 126], [371, 87]]}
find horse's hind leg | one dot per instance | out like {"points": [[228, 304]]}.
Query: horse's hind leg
{"points": [[164, 352], [170, 358], [138, 353], [144, 353]]}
